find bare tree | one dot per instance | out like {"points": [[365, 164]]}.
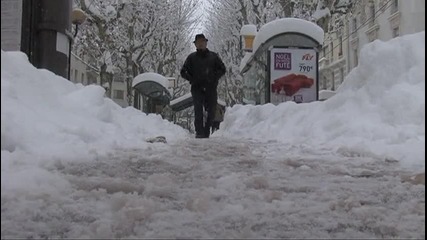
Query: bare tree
{"points": [[226, 17], [133, 37]]}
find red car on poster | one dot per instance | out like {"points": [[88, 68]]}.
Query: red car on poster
{"points": [[291, 83]]}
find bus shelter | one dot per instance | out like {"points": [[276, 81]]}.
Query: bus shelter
{"points": [[282, 64], [184, 102], [151, 92]]}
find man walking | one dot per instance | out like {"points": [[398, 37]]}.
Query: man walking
{"points": [[203, 69]]}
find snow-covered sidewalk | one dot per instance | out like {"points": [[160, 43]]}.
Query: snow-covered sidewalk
{"points": [[219, 188]]}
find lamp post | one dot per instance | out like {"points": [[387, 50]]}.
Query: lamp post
{"points": [[248, 32], [77, 17], [51, 36]]}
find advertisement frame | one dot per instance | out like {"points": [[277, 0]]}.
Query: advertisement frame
{"points": [[268, 80]]}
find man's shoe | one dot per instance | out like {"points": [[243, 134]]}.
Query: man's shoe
{"points": [[200, 136], [207, 132]]}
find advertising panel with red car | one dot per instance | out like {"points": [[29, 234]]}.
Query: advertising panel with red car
{"points": [[293, 75]]}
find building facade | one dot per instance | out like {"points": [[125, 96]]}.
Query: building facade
{"points": [[119, 90], [82, 72], [367, 21], [333, 60]]}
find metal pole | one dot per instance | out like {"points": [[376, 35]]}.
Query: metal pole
{"points": [[69, 52], [52, 36], [28, 28]]}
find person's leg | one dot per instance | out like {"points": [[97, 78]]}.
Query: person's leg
{"points": [[215, 126], [198, 100], [211, 101]]}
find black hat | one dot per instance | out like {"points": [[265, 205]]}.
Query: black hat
{"points": [[200, 36]]}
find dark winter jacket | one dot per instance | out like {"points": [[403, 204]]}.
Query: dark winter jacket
{"points": [[203, 68]]}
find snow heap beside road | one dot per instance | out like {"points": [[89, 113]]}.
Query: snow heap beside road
{"points": [[43, 114], [378, 111]]}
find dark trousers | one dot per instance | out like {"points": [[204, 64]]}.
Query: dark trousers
{"points": [[215, 126], [204, 97]]}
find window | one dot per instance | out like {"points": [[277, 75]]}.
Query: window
{"points": [[372, 10], [91, 79], [395, 32], [395, 6], [76, 75], [118, 94], [325, 51], [83, 77], [332, 51], [118, 78], [342, 74], [354, 24], [323, 83], [172, 83], [340, 46], [356, 60], [333, 81]]}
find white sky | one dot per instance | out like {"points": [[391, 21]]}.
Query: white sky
{"points": [[201, 11], [74, 164]]}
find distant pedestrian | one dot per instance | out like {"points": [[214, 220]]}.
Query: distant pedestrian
{"points": [[203, 69], [219, 117], [167, 113]]}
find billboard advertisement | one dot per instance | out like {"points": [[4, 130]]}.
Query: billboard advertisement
{"points": [[293, 75]]}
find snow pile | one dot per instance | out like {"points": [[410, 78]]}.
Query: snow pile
{"points": [[151, 77], [287, 25], [45, 115], [378, 111]]}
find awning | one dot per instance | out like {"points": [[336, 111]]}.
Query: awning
{"points": [[152, 85], [181, 103], [186, 101]]}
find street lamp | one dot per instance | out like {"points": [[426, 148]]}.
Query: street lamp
{"points": [[248, 32], [78, 17]]}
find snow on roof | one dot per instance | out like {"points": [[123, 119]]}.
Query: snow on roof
{"points": [[248, 30], [325, 94], [188, 95], [107, 59], [321, 13], [111, 11], [106, 85], [180, 99], [342, 3], [221, 102], [285, 25], [151, 76], [110, 69], [245, 60]]}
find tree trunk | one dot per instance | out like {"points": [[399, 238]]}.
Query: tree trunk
{"points": [[106, 78], [287, 7]]}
